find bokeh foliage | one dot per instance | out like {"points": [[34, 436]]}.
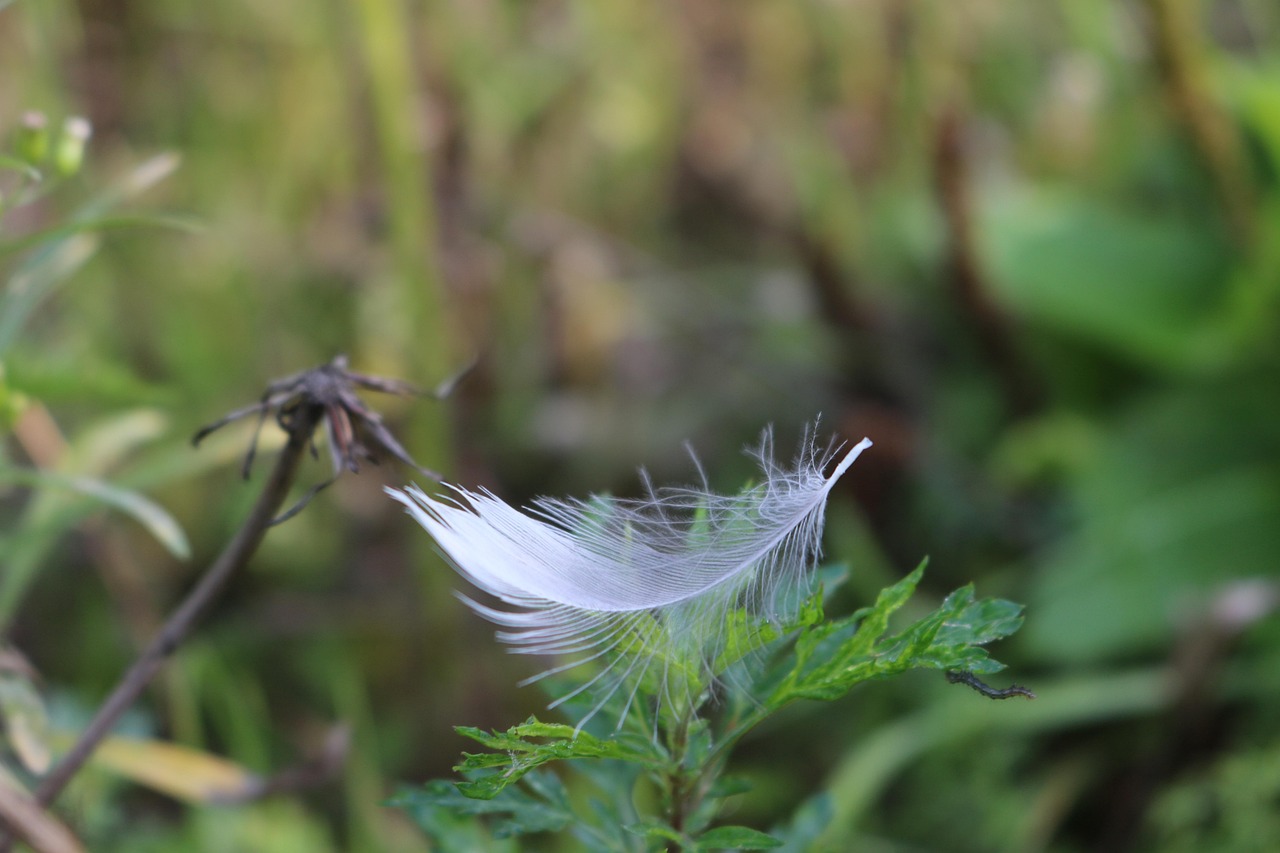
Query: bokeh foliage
{"points": [[1031, 249]]}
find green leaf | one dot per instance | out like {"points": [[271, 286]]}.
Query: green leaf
{"points": [[15, 163], [1178, 499], [746, 633], [822, 652], [826, 661], [656, 831], [38, 279], [23, 720], [516, 753], [834, 657], [103, 223], [542, 807], [873, 623], [146, 512], [808, 822], [981, 622], [65, 248], [1139, 282], [735, 838], [96, 450]]}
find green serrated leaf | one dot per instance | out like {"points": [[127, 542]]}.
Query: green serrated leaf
{"points": [[735, 838], [829, 648], [516, 754], [744, 634], [655, 830], [982, 622], [875, 622], [543, 808], [833, 658]]}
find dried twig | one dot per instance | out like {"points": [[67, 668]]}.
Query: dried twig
{"points": [[302, 402]]}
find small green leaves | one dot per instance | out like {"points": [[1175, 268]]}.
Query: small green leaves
{"points": [[735, 838], [541, 805], [146, 512], [720, 838], [745, 634], [657, 831], [682, 755], [832, 658], [528, 746]]}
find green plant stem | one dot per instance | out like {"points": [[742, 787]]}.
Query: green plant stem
{"points": [[237, 553], [677, 782], [686, 787], [385, 29]]}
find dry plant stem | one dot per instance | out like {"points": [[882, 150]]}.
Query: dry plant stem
{"points": [[301, 424], [968, 278], [24, 816], [1180, 50]]}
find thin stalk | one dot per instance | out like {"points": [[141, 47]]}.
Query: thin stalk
{"points": [[301, 424], [387, 33], [685, 787], [678, 783], [1181, 52]]}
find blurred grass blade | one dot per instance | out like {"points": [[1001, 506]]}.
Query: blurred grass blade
{"points": [[136, 181], [146, 512], [866, 771], [38, 279], [23, 720], [80, 226], [50, 513], [103, 445], [180, 772], [64, 249], [17, 165]]}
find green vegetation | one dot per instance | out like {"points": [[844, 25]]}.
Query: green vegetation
{"points": [[1031, 249]]}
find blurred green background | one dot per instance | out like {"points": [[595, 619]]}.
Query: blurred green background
{"points": [[1031, 249]]}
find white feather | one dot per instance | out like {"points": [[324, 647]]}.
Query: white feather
{"points": [[636, 583]]}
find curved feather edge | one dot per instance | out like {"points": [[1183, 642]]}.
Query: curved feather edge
{"points": [[636, 583]]}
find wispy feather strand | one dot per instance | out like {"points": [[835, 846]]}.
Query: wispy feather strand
{"points": [[636, 584]]}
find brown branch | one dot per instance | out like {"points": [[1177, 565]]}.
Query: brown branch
{"points": [[1179, 49], [966, 273], [23, 816], [300, 425]]}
